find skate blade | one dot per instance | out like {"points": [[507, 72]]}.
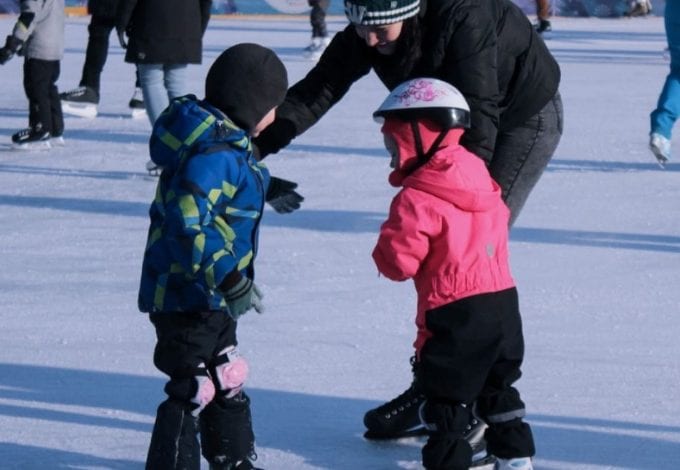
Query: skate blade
{"points": [[31, 146], [376, 436], [485, 463], [662, 161], [660, 157], [137, 113], [84, 110]]}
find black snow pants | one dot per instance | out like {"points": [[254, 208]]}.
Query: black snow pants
{"points": [[184, 342], [473, 356]]}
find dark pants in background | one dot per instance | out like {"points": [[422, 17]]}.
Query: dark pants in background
{"points": [[44, 105], [543, 9], [97, 51], [317, 17]]}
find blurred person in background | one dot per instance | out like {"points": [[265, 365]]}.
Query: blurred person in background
{"points": [[84, 99], [668, 108]]}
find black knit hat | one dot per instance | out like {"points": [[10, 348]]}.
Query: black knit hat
{"points": [[245, 82], [380, 12]]}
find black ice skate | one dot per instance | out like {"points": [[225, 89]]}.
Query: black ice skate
{"points": [[400, 417], [32, 138], [397, 418], [81, 102], [543, 26], [136, 104]]}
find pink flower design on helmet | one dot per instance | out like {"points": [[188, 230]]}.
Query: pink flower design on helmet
{"points": [[418, 91]]}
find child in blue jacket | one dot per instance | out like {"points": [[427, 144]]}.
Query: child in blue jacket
{"points": [[197, 274]]}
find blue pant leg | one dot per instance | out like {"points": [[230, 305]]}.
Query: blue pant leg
{"points": [[668, 107], [160, 83], [155, 95]]}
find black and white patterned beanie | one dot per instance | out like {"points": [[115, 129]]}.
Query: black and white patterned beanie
{"points": [[380, 12]]}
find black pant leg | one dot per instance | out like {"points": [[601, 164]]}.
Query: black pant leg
{"points": [[317, 18], [97, 51], [38, 82], [186, 340], [499, 402], [57, 128], [465, 342]]}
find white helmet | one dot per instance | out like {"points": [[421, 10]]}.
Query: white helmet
{"points": [[427, 98]]}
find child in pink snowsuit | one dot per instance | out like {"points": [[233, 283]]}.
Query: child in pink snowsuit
{"points": [[448, 230]]}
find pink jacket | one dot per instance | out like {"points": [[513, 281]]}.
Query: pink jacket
{"points": [[447, 229]]}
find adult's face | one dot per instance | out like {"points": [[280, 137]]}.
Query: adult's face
{"points": [[264, 123], [383, 38]]}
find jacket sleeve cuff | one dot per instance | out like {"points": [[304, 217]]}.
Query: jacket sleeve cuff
{"points": [[230, 280]]}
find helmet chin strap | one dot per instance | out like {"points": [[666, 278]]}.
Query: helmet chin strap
{"points": [[424, 157]]}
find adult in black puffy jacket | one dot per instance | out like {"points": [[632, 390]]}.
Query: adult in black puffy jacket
{"points": [[164, 36], [490, 52]]}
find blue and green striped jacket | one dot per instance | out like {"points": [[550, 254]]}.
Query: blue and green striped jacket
{"points": [[207, 209]]}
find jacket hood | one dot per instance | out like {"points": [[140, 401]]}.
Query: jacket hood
{"points": [[189, 126], [453, 173], [459, 177]]}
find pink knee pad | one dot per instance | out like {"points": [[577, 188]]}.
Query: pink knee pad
{"points": [[233, 373], [205, 392]]}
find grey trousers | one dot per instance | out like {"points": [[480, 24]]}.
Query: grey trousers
{"points": [[523, 153]]}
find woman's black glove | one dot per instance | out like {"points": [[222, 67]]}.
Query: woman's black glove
{"points": [[281, 195]]}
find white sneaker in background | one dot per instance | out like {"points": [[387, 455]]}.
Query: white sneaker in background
{"points": [[521, 463], [153, 169], [316, 47], [660, 147]]}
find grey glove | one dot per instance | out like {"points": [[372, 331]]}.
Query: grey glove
{"points": [[12, 46], [281, 195], [243, 296]]}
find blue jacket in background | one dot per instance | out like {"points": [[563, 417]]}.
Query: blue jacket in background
{"points": [[206, 212]]}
